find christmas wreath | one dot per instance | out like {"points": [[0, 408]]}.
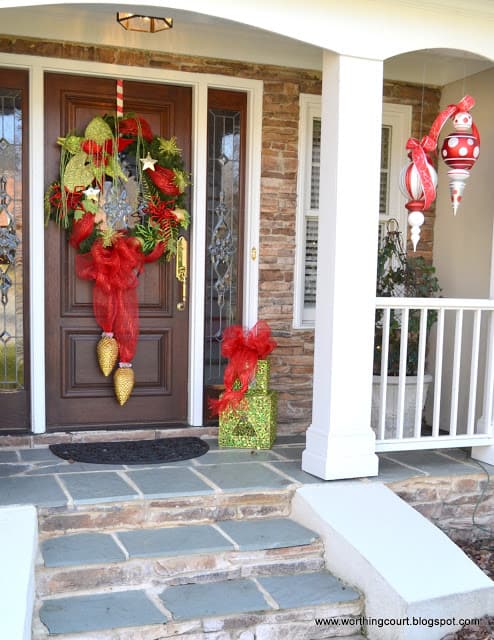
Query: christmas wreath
{"points": [[120, 196]]}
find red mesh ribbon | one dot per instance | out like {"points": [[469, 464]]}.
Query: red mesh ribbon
{"points": [[164, 179], [243, 348], [420, 158], [81, 229], [465, 104], [420, 150], [115, 271], [134, 127]]}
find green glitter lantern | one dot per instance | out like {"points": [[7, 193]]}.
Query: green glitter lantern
{"points": [[251, 425]]}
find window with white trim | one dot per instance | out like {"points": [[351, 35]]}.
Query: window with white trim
{"points": [[396, 128]]}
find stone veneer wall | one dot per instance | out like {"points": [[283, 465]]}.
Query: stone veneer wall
{"points": [[292, 362], [462, 506]]}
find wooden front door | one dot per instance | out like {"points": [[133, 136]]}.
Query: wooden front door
{"points": [[77, 393]]}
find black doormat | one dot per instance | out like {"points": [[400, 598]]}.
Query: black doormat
{"points": [[132, 451]]}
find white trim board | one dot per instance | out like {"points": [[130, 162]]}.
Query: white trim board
{"points": [[396, 116], [199, 83]]}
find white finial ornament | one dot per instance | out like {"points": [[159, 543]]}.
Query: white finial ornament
{"points": [[412, 188], [415, 220]]}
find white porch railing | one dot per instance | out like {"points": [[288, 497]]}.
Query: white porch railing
{"points": [[458, 354]]}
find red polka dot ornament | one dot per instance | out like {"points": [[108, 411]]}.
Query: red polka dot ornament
{"points": [[460, 151]]}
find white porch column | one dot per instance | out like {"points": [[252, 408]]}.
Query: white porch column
{"points": [[340, 441]]}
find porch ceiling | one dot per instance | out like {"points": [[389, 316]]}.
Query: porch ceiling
{"points": [[95, 23]]}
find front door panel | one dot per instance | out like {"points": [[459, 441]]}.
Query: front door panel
{"points": [[78, 395]]}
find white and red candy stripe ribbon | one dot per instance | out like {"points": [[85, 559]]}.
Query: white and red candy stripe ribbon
{"points": [[119, 98]]}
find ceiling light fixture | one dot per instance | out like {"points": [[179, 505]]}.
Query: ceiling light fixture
{"points": [[148, 24]]}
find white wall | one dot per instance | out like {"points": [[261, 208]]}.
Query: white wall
{"points": [[463, 243]]}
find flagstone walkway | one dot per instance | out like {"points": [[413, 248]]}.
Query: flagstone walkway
{"points": [[37, 476]]}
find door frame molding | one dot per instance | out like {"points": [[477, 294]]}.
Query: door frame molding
{"points": [[200, 83]]}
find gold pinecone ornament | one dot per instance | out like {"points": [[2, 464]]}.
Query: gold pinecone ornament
{"points": [[107, 352], [123, 382]]}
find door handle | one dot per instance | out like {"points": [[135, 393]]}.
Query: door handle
{"points": [[181, 270]]}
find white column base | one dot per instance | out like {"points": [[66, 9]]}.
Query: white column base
{"points": [[486, 453], [335, 457], [483, 454]]}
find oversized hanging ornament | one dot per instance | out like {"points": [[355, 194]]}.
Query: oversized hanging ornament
{"points": [[107, 352], [418, 181], [123, 382], [419, 186], [460, 151]]}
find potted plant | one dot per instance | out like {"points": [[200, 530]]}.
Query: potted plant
{"points": [[399, 274]]}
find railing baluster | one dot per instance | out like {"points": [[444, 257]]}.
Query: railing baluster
{"points": [[384, 374], [403, 372], [489, 378], [420, 373], [474, 370], [438, 373], [455, 382]]}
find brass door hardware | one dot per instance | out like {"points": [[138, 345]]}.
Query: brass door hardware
{"points": [[181, 270]]}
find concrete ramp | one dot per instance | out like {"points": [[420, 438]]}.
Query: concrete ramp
{"points": [[418, 584]]}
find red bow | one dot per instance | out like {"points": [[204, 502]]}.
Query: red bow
{"points": [[243, 348]]}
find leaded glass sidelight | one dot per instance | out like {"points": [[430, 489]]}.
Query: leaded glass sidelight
{"points": [[11, 258], [224, 233]]}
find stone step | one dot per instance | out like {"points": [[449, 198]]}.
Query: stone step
{"points": [[174, 555], [155, 512], [277, 607]]}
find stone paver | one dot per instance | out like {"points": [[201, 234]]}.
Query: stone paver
{"points": [[293, 470], [291, 453], [43, 491], [173, 541], [433, 463], [246, 476], [161, 483], [190, 601], [391, 471], [237, 455], [81, 549], [102, 611], [8, 456], [73, 467], [12, 469], [306, 589], [274, 533], [97, 487], [41, 454]]}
